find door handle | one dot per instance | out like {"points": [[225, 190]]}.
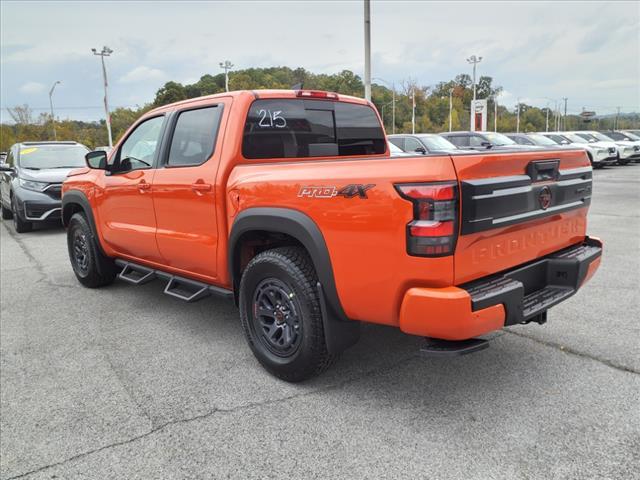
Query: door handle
{"points": [[201, 187], [143, 186]]}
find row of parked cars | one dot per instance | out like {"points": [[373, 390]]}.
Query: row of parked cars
{"points": [[603, 148]]}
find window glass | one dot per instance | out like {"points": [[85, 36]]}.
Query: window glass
{"points": [[141, 146], [194, 137], [411, 144], [10, 159], [459, 140], [476, 140], [436, 142], [290, 128], [541, 139], [398, 142]]}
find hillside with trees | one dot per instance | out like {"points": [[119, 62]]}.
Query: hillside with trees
{"points": [[432, 106]]}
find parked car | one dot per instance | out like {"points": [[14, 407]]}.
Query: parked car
{"points": [[484, 141], [623, 152], [287, 203], [598, 156], [543, 141], [31, 180], [423, 143], [627, 140], [104, 148]]}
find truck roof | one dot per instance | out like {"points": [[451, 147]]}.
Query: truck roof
{"points": [[271, 93]]}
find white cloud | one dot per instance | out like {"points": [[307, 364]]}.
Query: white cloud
{"points": [[32, 88], [142, 74]]}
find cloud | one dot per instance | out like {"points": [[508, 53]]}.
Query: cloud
{"points": [[32, 88], [142, 74]]}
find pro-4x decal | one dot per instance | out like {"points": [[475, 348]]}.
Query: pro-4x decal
{"points": [[349, 191]]}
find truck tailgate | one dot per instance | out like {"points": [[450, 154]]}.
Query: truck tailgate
{"points": [[518, 206]]}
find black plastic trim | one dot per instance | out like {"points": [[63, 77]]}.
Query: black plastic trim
{"points": [[502, 201], [529, 290]]}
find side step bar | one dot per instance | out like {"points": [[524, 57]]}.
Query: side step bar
{"points": [[177, 286], [435, 347]]}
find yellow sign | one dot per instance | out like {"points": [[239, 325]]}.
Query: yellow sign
{"points": [[28, 150]]}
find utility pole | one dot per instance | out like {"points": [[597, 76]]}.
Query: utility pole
{"points": [[367, 50], [226, 66], [393, 101], [495, 114], [617, 115], [564, 119], [53, 118], [105, 52], [413, 109], [518, 117], [450, 106], [474, 61], [547, 124]]}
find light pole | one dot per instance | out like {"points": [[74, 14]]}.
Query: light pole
{"points": [[105, 52], [564, 119], [226, 66], [367, 50], [518, 117], [495, 113], [450, 107], [474, 61], [393, 102], [382, 110], [413, 110], [53, 118]]}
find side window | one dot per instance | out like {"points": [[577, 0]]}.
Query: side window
{"points": [[142, 144], [476, 140], [194, 137], [459, 140], [398, 142], [411, 144]]}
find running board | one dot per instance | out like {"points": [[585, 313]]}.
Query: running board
{"points": [[435, 347], [177, 286]]}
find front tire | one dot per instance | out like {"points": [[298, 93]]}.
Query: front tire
{"points": [[281, 316], [21, 226], [91, 267]]}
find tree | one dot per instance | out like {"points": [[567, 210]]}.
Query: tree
{"points": [[21, 114], [169, 93]]}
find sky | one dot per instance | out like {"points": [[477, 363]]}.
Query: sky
{"points": [[537, 51]]}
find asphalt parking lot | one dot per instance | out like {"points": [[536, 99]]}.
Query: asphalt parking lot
{"points": [[125, 382]]}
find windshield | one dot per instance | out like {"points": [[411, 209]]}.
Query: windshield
{"points": [[436, 142], [588, 137], [575, 138], [601, 137], [499, 139], [38, 157], [541, 139]]}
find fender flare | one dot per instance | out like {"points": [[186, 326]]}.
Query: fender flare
{"points": [[340, 331], [77, 197]]}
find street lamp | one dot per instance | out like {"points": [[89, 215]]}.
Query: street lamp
{"points": [[53, 118], [226, 66], [474, 61], [518, 117], [393, 101], [105, 52]]}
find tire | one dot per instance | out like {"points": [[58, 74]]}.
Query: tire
{"points": [[91, 267], [21, 226], [6, 212], [288, 340]]}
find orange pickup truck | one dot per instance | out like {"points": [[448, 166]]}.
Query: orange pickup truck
{"points": [[288, 202]]}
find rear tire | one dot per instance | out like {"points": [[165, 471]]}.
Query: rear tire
{"points": [[281, 316], [6, 212], [21, 226], [91, 267]]}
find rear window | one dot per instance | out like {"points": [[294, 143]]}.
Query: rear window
{"points": [[288, 128]]}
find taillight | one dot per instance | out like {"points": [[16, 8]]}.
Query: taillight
{"points": [[316, 94], [434, 228]]}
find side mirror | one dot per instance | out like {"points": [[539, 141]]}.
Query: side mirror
{"points": [[486, 144], [421, 150], [4, 167], [96, 160]]}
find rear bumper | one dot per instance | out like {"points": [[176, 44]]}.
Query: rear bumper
{"points": [[519, 295]]}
